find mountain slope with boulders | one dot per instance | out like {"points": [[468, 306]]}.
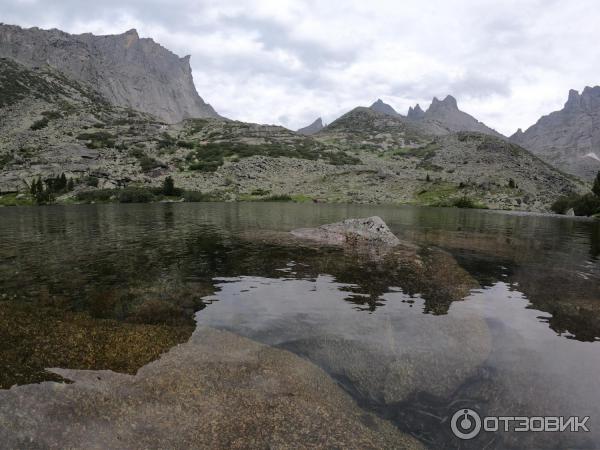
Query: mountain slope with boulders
{"points": [[127, 71], [52, 124], [570, 138]]}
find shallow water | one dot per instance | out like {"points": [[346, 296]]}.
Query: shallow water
{"points": [[504, 320]]}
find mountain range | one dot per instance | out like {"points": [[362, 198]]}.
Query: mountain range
{"points": [[570, 138], [115, 111]]}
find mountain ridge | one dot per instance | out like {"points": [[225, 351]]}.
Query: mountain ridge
{"points": [[127, 70], [570, 137]]}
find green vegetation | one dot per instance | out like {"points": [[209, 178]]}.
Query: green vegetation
{"points": [[438, 193], [209, 157], [16, 199], [148, 163], [596, 186], [135, 195], [98, 139], [466, 202], [168, 187], [582, 205], [196, 196], [5, 159], [44, 192], [39, 124], [277, 198]]}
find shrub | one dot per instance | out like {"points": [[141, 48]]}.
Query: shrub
{"points": [[147, 163], [260, 192], [97, 195], [466, 202], [98, 139], [91, 181], [563, 204], [194, 196], [587, 205], [596, 186], [583, 205], [135, 195], [39, 124]]}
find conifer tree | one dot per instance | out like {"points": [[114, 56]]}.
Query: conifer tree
{"points": [[596, 187]]}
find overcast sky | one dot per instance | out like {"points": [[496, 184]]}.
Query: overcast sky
{"points": [[288, 62]]}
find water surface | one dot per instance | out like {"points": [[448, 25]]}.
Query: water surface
{"points": [[497, 312]]}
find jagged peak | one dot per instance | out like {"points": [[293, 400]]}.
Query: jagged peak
{"points": [[449, 102], [316, 126], [416, 112], [132, 32]]}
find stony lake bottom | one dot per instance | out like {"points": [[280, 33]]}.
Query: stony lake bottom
{"points": [[498, 312]]}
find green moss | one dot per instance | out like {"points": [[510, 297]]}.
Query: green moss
{"points": [[12, 200], [301, 198], [436, 194], [209, 157]]}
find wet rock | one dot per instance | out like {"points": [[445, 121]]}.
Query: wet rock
{"points": [[218, 390], [370, 231]]}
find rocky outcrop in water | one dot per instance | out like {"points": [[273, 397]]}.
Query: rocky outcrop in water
{"points": [[127, 70], [568, 139], [369, 231]]}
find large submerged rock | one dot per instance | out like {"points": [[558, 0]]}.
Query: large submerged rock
{"points": [[219, 390], [366, 231]]}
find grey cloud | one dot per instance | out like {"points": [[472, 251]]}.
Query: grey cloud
{"points": [[523, 52]]}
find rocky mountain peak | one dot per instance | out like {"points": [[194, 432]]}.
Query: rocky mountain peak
{"points": [[448, 103], [415, 113], [127, 70], [384, 108], [313, 128], [570, 138]]}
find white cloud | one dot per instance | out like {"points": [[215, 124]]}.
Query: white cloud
{"points": [[275, 61]]}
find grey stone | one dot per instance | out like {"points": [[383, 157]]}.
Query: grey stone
{"points": [[370, 231]]}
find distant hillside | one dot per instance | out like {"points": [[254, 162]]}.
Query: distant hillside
{"points": [[126, 70], [570, 138]]}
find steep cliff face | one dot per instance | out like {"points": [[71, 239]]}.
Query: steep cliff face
{"points": [[570, 138], [126, 70]]}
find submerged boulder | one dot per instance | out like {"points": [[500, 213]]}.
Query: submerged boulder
{"points": [[366, 231]]}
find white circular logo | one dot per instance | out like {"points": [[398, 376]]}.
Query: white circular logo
{"points": [[465, 424]]}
